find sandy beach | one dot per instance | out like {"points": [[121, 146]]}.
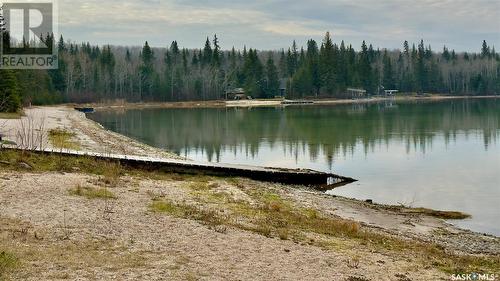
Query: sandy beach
{"points": [[87, 134]]}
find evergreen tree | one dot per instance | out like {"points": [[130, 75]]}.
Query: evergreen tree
{"points": [[146, 71], [174, 49], [253, 74], [446, 54], [128, 56], [365, 69], [283, 68], [292, 59], [272, 79], [406, 48], [485, 50], [57, 76], [388, 76], [302, 82], [327, 65], [421, 72], [61, 46], [313, 65], [194, 60], [207, 53], [454, 56], [10, 100], [185, 54], [216, 56]]}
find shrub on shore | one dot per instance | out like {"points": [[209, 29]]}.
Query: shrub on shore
{"points": [[63, 139], [92, 192]]}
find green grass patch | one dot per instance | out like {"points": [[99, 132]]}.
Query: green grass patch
{"points": [[92, 192], [7, 142], [7, 262], [200, 186], [211, 218], [110, 170], [162, 206], [63, 139], [48, 162], [11, 115]]}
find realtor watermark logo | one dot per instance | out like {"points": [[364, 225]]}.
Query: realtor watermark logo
{"points": [[27, 32], [474, 276]]}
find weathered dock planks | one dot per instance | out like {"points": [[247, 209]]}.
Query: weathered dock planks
{"points": [[268, 174], [296, 102]]}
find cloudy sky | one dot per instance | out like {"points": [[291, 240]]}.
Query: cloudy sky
{"points": [[459, 24]]}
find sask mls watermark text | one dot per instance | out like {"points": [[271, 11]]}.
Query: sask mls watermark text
{"points": [[474, 276]]}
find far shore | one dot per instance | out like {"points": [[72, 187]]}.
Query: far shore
{"points": [[121, 105]]}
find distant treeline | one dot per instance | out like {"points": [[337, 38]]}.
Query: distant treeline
{"points": [[89, 73]]}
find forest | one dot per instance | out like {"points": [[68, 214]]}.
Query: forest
{"points": [[91, 73]]}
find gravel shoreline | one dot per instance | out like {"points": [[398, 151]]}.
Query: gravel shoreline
{"points": [[87, 134]]}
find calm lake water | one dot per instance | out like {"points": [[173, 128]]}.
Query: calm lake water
{"points": [[443, 155]]}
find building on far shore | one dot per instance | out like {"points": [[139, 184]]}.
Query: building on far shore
{"points": [[356, 93], [235, 94], [390, 92], [387, 92]]}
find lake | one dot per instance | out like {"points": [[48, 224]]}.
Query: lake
{"points": [[438, 154]]}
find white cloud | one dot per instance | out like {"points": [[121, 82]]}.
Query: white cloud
{"points": [[268, 24], [291, 28]]}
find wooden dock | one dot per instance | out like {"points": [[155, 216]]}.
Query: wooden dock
{"points": [[296, 102], [280, 175]]}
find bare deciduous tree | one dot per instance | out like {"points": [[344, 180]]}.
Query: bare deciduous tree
{"points": [[31, 134]]}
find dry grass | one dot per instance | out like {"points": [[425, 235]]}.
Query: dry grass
{"points": [[63, 139], [275, 217], [448, 215], [74, 258], [92, 192], [111, 173]]}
